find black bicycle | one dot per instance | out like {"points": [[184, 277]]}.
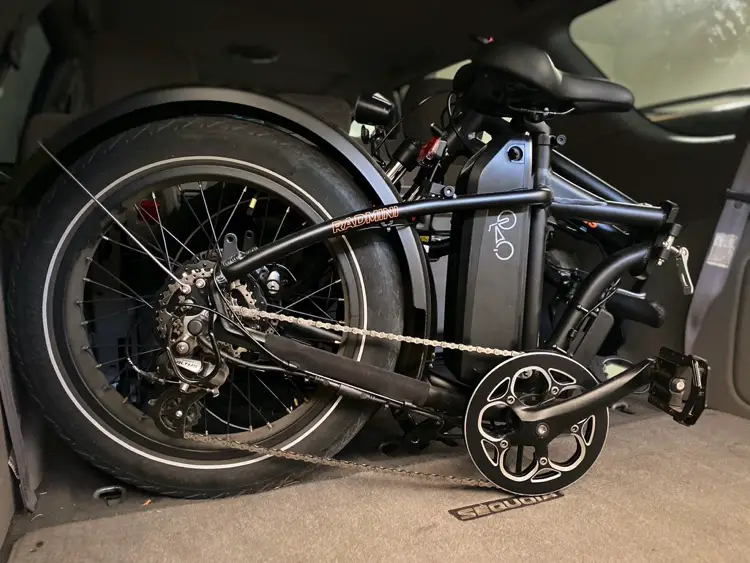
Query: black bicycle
{"points": [[215, 284]]}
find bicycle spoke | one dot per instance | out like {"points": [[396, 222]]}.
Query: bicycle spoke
{"points": [[109, 316], [117, 279], [150, 245], [217, 417], [116, 380], [122, 244], [122, 355], [281, 224], [229, 408], [119, 345], [218, 207], [287, 409], [104, 299], [104, 208], [161, 227], [251, 405], [210, 223], [229, 220], [205, 419], [326, 298], [136, 298], [312, 277], [190, 206], [129, 356], [321, 310], [301, 394], [168, 232], [313, 293], [141, 212], [263, 225]]}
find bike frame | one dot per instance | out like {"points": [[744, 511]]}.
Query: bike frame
{"points": [[542, 204]]}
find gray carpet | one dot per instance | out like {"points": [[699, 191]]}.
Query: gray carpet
{"points": [[660, 492]]}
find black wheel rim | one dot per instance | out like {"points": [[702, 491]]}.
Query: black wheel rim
{"points": [[92, 362]]}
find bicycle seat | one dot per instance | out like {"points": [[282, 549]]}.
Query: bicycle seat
{"points": [[506, 79]]}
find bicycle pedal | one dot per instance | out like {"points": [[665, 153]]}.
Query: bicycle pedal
{"points": [[678, 385]]}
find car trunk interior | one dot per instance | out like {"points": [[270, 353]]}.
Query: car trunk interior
{"points": [[660, 490]]}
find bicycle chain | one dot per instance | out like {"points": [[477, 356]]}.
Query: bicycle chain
{"points": [[255, 314], [340, 463]]}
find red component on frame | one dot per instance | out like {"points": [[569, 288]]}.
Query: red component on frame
{"points": [[149, 210], [429, 150]]}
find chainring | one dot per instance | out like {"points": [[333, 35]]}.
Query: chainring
{"points": [[533, 379]]}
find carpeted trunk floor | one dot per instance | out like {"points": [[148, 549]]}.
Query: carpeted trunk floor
{"points": [[660, 492]]}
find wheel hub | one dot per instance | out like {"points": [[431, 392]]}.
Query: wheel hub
{"points": [[193, 276], [186, 328]]}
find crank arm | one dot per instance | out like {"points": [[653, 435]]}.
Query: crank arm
{"points": [[677, 386], [563, 415]]}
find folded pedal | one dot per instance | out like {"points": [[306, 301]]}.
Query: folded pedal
{"points": [[678, 385]]}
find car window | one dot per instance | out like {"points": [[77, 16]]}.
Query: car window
{"points": [[17, 91], [672, 52], [448, 72]]}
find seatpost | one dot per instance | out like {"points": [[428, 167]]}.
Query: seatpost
{"points": [[542, 151], [537, 237]]}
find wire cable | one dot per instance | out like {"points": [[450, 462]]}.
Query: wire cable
{"points": [[452, 123], [405, 115]]}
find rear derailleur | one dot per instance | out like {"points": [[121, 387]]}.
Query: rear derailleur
{"points": [[179, 408], [193, 362], [174, 412]]}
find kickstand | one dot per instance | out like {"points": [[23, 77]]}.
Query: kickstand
{"points": [[622, 406], [417, 435]]}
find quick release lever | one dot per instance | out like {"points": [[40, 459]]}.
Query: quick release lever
{"points": [[681, 254]]}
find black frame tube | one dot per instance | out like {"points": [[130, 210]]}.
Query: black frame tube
{"points": [[590, 292], [239, 266], [534, 279], [632, 215], [579, 175], [610, 237], [541, 203]]}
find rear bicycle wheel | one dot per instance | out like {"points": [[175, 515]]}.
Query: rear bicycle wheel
{"points": [[86, 313]]}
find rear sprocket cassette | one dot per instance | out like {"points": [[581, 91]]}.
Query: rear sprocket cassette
{"points": [[559, 456]]}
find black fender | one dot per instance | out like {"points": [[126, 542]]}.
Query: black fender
{"points": [[82, 134]]}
